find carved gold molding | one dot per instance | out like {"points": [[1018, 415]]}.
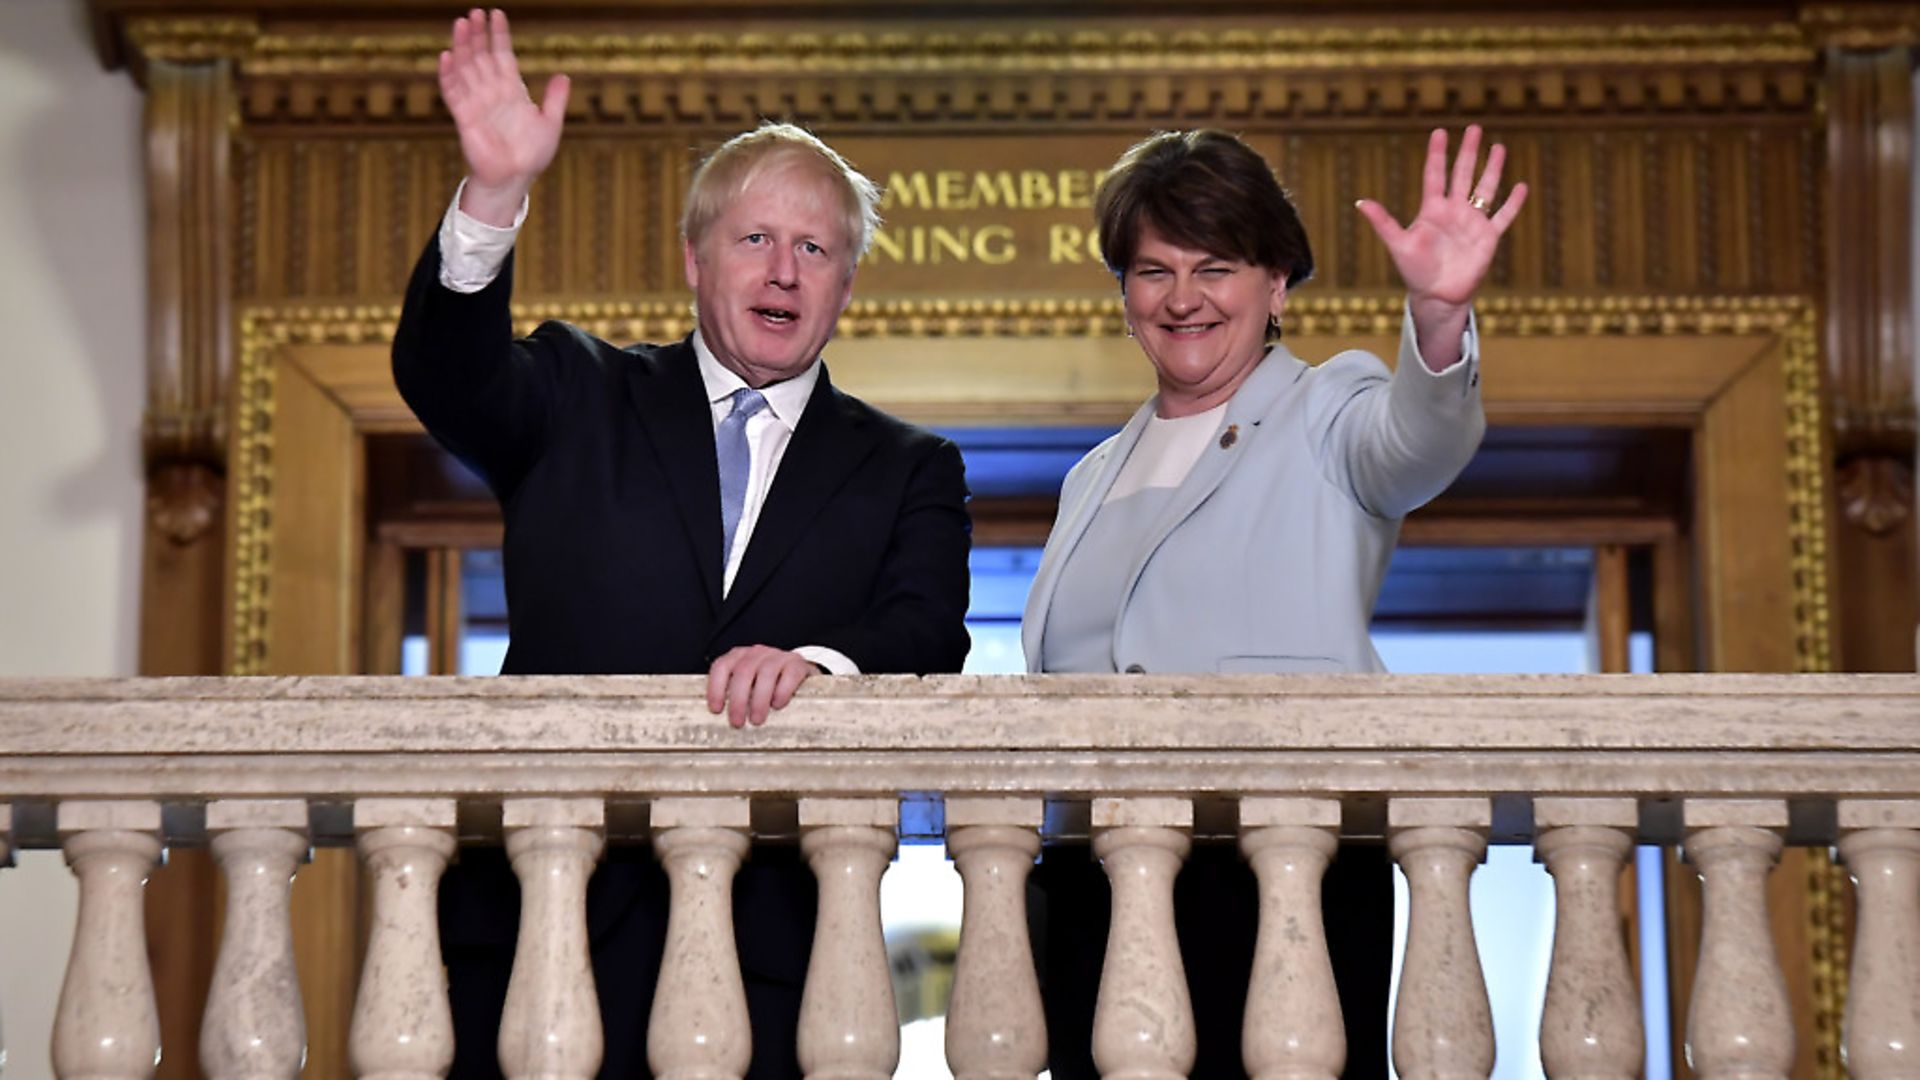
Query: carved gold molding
{"points": [[1045, 71], [1862, 26], [185, 39], [250, 476], [1076, 50]]}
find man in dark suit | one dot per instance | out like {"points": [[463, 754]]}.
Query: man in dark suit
{"points": [[713, 505]]}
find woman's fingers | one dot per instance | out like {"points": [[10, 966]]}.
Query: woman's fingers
{"points": [[1488, 188], [1463, 165], [1510, 209], [1433, 179], [1383, 223]]}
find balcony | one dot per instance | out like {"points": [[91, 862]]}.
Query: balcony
{"points": [[406, 770]]}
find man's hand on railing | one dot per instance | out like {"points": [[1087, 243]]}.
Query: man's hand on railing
{"points": [[750, 681]]}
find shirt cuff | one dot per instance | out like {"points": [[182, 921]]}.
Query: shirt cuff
{"points": [[1469, 343], [835, 661], [472, 251]]}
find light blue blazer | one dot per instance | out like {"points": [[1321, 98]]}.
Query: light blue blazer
{"points": [[1269, 556]]}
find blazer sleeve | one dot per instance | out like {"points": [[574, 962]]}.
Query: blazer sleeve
{"points": [[486, 397], [1394, 440], [916, 621]]}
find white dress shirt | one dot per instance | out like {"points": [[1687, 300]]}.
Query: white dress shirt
{"points": [[471, 254]]}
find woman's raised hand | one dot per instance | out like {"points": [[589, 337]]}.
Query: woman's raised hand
{"points": [[507, 139], [1446, 252]]}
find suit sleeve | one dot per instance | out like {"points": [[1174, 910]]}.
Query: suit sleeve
{"points": [[1394, 440], [916, 621], [486, 397]]}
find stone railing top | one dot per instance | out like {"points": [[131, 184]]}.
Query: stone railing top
{"points": [[1809, 740]]}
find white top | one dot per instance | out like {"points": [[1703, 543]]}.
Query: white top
{"points": [[1166, 452]]}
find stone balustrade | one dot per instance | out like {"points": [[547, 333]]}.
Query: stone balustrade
{"points": [[1729, 767]]}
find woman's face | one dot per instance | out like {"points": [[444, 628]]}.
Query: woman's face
{"points": [[1201, 319]]}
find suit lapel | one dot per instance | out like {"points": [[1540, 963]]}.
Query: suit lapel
{"points": [[1248, 407], [828, 444], [666, 391], [1069, 526]]}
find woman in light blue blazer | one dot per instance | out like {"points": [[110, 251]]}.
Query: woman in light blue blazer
{"points": [[1243, 519]]}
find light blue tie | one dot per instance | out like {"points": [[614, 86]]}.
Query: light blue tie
{"points": [[730, 444]]}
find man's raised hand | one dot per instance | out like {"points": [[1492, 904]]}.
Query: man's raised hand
{"points": [[507, 139]]}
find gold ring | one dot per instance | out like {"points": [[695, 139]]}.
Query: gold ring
{"points": [[1480, 204]]}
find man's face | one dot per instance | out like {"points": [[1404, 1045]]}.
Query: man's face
{"points": [[772, 274]]}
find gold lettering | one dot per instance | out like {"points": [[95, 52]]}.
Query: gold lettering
{"points": [[951, 185], [886, 246], [993, 189], [988, 251], [951, 242], [1076, 189], [1067, 243], [1036, 190], [911, 190]]}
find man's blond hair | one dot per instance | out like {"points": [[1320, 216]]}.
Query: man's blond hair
{"points": [[727, 173]]}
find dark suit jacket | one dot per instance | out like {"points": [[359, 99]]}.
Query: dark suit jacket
{"points": [[603, 461]]}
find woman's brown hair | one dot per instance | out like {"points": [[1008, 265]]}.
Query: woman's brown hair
{"points": [[1205, 190]]}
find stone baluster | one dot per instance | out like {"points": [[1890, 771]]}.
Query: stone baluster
{"points": [[1880, 839], [550, 1027], [402, 1023], [1293, 1027], [698, 1029], [849, 1025], [1590, 1028], [254, 1027], [1739, 1024], [996, 1027], [107, 1025], [1442, 1022], [1143, 1021]]}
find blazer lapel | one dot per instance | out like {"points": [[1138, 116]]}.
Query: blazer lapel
{"points": [[672, 402], [1070, 524], [828, 444], [1250, 405]]}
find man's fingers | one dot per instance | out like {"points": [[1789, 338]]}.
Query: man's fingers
{"points": [[457, 46], [717, 677], [553, 104], [740, 695], [502, 45], [766, 674], [452, 86], [792, 673]]}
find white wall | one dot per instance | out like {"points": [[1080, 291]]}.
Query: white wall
{"points": [[72, 305]]}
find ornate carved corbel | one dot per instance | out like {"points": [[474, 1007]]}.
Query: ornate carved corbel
{"points": [[1870, 331], [188, 67]]}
